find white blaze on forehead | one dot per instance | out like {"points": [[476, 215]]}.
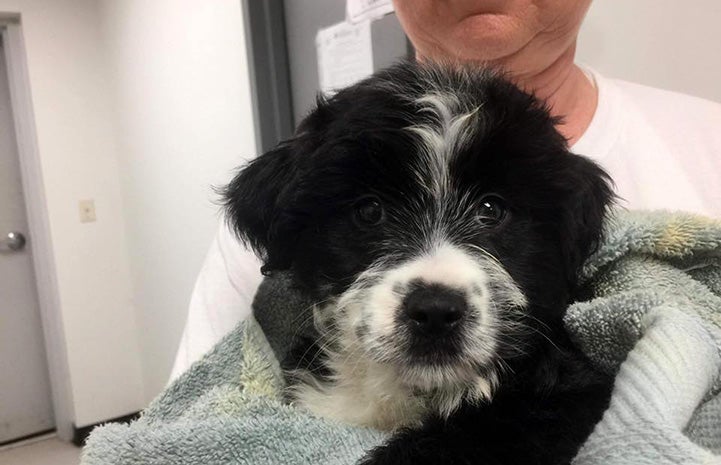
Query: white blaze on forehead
{"points": [[447, 131]]}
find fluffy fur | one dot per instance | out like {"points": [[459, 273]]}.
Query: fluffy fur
{"points": [[436, 217]]}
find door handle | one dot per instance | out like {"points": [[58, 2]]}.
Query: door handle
{"points": [[13, 241]]}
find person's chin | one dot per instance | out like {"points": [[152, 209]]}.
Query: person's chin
{"points": [[487, 38]]}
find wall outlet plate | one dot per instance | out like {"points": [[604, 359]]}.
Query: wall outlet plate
{"points": [[87, 211]]}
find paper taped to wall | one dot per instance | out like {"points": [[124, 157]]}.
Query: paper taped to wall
{"points": [[363, 10], [345, 55]]}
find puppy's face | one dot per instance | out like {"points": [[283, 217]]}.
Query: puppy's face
{"points": [[434, 214]]}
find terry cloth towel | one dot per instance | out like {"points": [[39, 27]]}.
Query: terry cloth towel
{"points": [[654, 319]]}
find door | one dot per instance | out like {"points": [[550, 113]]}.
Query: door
{"points": [[25, 403], [303, 18]]}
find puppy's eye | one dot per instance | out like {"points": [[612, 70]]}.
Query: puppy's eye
{"points": [[368, 211], [492, 210]]}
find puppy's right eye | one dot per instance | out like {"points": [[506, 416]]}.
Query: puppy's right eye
{"points": [[368, 211]]}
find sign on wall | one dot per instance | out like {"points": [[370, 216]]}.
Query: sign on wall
{"points": [[345, 55], [367, 10]]}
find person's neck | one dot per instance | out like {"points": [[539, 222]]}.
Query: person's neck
{"points": [[568, 93]]}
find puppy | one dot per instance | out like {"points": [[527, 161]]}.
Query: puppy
{"points": [[438, 220]]}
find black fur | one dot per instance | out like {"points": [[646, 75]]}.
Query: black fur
{"points": [[296, 206]]}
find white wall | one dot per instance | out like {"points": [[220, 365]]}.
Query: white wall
{"points": [[76, 136], [141, 106], [668, 44], [185, 121]]}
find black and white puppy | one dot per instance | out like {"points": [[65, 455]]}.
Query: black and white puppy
{"points": [[438, 220]]}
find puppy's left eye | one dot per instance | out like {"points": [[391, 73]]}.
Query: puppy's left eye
{"points": [[492, 210], [368, 211]]}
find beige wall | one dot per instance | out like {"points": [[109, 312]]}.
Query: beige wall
{"points": [[77, 142], [668, 44], [185, 121], [141, 106]]}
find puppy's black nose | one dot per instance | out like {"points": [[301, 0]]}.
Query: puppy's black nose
{"points": [[434, 309]]}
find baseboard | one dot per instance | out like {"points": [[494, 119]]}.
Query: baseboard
{"points": [[80, 435], [26, 439]]}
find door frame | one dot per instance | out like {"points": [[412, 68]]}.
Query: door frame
{"points": [[38, 224], [264, 23]]}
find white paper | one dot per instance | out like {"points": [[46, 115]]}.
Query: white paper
{"points": [[366, 10], [345, 55]]}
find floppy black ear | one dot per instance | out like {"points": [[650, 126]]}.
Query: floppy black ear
{"points": [[590, 197], [252, 204]]}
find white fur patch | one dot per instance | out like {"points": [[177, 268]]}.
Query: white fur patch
{"points": [[373, 382], [362, 392], [448, 130]]}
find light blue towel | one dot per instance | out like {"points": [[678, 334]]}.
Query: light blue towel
{"points": [[655, 320]]}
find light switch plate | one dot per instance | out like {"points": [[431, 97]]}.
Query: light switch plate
{"points": [[87, 211]]}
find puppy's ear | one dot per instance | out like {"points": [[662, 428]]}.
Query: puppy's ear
{"points": [[583, 215], [252, 204]]}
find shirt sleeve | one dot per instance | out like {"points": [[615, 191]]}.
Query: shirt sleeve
{"points": [[222, 297]]}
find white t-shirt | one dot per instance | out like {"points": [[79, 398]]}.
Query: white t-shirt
{"points": [[663, 150]]}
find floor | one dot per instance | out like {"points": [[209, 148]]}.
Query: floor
{"points": [[48, 450]]}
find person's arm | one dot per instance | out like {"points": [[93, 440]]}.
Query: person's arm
{"points": [[222, 297]]}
